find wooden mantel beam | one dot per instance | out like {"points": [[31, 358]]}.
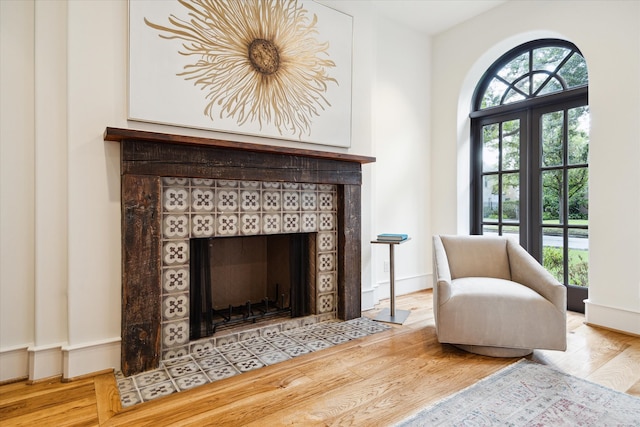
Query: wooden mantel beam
{"points": [[120, 134]]}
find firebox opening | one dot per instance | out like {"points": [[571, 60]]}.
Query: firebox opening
{"points": [[236, 280]]}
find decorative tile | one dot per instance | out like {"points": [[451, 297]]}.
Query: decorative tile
{"points": [[190, 381], [250, 201], [296, 351], [250, 184], [250, 224], [290, 201], [203, 348], [326, 201], [226, 340], [309, 186], [291, 223], [326, 282], [222, 183], [326, 262], [211, 362], [200, 182], [249, 364], [175, 333], [175, 200], [325, 303], [309, 222], [157, 390], [326, 222], [270, 331], [271, 223], [271, 201], [222, 372], [203, 225], [175, 181], [176, 253], [309, 201], [175, 280], [250, 337], [227, 201], [273, 357], [130, 398], [175, 307], [175, 353], [175, 226], [202, 200], [318, 345], [151, 377], [283, 342], [237, 355], [290, 185], [270, 185], [227, 225], [184, 369], [326, 241]]}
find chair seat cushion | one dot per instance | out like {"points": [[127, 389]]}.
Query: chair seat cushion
{"points": [[496, 312]]}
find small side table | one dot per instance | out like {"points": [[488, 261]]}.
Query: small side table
{"points": [[391, 315]]}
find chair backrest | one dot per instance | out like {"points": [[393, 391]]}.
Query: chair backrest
{"points": [[477, 256]]}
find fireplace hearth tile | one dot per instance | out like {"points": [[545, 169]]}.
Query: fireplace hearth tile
{"points": [[232, 356]]}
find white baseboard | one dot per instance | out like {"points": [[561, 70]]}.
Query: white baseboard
{"points": [[14, 364], [45, 361], [368, 299], [87, 358], [612, 318], [403, 285]]}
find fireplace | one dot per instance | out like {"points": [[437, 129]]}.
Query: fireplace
{"points": [[158, 166], [251, 279]]}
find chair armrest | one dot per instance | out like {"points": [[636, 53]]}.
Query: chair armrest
{"points": [[526, 270], [441, 272]]}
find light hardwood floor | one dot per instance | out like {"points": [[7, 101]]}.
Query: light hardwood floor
{"points": [[373, 381]]}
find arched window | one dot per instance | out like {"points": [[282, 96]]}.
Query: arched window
{"points": [[529, 160]]}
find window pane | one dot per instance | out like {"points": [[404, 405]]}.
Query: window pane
{"points": [[490, 197], [552, 130], [579, 123], [552, 191], [578, 257], [510, 197], [548, 58], [490, 229], [490, 148], [513, 96], [493, 94], [553, 253], [574, 72], [511, 232], [552, 86], [511, 145], [515, 68], [578, 196]]}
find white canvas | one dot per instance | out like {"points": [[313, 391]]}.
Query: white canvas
{"points": [[318, 71]]}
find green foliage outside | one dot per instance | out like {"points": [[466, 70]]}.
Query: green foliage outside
{"points": [[578, 265]]}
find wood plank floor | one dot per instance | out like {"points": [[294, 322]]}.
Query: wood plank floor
{"points": [[373, 381]]}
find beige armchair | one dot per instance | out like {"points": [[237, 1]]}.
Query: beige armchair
{"points": [[491, 297]]}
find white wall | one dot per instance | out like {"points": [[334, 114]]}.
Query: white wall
{"points": [[608, 34], [64, 76], [401, 135]]}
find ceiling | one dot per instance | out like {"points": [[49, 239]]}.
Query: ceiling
{"points": [[433, 16]]}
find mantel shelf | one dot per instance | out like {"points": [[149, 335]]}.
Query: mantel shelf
{"points": [[120, 134]]}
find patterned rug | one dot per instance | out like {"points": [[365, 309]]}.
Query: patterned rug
{"points": [[530, 394]]}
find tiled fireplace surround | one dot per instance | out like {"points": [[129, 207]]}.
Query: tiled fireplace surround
{"points": [[177, 187]]}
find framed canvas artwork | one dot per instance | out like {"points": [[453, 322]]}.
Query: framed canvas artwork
{"points": [[269, 68]]}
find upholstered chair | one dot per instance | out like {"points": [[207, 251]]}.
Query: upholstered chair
{"points": [[491, 297]]}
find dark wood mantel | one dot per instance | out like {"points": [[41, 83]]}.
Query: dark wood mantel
{"points": [[146, 157]]}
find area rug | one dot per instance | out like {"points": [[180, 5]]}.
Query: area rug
{"points": [[529, 394]]}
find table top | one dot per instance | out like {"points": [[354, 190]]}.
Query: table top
{"points": [[391, 242]]}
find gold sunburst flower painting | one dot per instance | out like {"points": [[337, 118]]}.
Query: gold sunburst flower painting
{"points": [[274, 68]]}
